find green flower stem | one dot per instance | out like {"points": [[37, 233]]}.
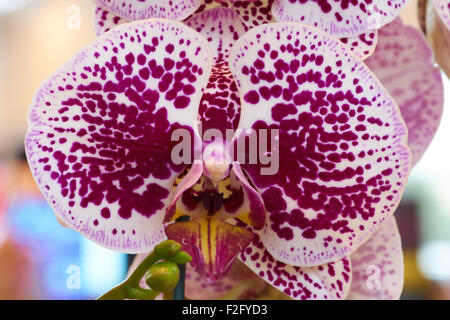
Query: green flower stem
{"points": [[130, 288], [178, 292], [142, 294]]}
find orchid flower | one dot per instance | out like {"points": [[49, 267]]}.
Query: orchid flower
{"points": [[361, 38], [100, 146], [412, 98], [376, 273]]}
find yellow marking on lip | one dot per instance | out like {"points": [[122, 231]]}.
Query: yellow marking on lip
{"points": [[208, 240], [215, 242], [222, 188]]}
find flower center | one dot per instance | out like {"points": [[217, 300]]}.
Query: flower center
{"points": [[215, 162]]}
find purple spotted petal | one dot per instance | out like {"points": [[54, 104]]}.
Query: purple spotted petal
{"points": [[252, 13], [99, 143], [145, 9], [343, 159], [404, 63], [220, 104], [329, 281], [219, 107], [363, 45], [221, 26], [339, 18], [378, 266], [443, 9], [104, 20]]}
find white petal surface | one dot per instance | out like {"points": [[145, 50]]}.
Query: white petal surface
{"points": [[377, 266]]}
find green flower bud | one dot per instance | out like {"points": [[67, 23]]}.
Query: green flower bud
{"points": [[163, 276], [167, 248], [181, 257]]}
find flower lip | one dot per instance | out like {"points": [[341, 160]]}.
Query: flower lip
{"points": [[213, 244]]}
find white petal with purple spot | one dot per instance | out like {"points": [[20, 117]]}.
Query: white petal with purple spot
{"points": [[339, 18], [145, 9], [363, 45], [99, 143], [221, 26], [252, 13], [343, 158], [326, 282], [104, 20]]}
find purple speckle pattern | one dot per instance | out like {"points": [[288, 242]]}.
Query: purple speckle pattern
{"points": [[221, 27], [145, 9], [341, 18], [362, 45], [99, 142], [343, 162], [252, 13], [377, 266], [323, 282], [207, 5], [105, 20], [404, 64], [249, 14], [220, 104], [443, 9]]}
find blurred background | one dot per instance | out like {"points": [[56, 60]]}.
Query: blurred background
{"points": [[39, 259]]}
